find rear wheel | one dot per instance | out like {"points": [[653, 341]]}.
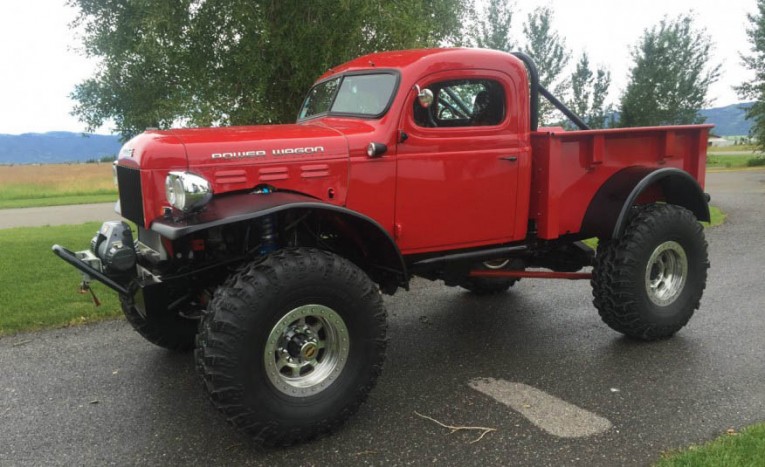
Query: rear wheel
{"points": [[292, 344], [648, 283], [486, 285]]}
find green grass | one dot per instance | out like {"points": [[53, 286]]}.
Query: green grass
{"points": [[717, 217], [743, 449], [55, 185], [731, 162], [735, 148], [39, 290], [59, 200]]}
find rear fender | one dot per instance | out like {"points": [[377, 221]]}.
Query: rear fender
{"points": [[364, 232], [609, 210]]}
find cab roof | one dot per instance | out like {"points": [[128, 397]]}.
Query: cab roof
{"points": [[425, 61]]}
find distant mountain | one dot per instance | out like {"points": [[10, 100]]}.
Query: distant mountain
{"points": [[56, 147], [60, 146], [729, 120]]}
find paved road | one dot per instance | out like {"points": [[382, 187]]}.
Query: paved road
{"points": [[56, 215], [98, 395]]}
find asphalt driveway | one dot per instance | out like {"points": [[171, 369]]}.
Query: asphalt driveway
{"points": [[99, 395]]}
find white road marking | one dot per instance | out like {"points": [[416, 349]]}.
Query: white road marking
{"points": [[551, 414]]}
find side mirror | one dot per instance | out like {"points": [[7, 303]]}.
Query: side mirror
{"points": [[424, 96]]}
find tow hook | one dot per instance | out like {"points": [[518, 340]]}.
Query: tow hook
{"points": [[85, 288]]}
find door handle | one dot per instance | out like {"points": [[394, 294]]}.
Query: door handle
{"points": [[509, 158]]}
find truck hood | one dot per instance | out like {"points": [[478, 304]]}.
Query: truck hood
{"points": [[203, 148], [311, 159], [266, 144]]}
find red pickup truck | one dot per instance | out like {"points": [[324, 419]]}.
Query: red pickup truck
{"points": [[265, 248]]}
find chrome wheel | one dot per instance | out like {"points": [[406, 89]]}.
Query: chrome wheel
{"points": [[306, 350], [665, 273], [496, 264]]}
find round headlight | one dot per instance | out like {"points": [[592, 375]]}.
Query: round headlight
{"points": [[114, 174], [178, 194], [187, 191], [169, 193]]}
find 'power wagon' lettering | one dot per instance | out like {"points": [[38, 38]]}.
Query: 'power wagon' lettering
{"points": [[274, 152], [306, 150], [238, 154]]}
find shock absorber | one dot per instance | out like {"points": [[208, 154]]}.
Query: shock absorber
{"points": [[268, 235]]}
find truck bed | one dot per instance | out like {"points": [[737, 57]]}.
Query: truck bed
{"points": [[568, 167]]}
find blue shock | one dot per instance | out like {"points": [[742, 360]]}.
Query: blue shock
{"points": [[268, 235]]}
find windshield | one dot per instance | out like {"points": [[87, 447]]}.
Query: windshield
{"points": [[362, 95]]}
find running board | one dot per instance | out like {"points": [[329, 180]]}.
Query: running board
{"points": [[507, 274], [469, 256]]}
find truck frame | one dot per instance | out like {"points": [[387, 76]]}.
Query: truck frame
{"points": [[266, 249]]}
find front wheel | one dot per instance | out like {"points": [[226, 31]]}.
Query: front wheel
{"points": [[169, 330], [648, 283], [292, 344]]}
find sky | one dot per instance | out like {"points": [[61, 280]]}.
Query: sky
{"points": [[40, 63]]}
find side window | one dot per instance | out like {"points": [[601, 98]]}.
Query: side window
{"points": [[465, 102]]}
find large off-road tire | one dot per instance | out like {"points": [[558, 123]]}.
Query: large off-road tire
{"points": [[648, 283], [171, 330], [292, 344], [485, 285]]}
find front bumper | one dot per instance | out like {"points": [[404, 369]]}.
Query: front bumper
{"points": [[77, 260]]}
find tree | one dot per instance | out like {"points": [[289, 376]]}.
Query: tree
{"points": [[588, 93], [755, 88], [549, 51], [230, 62], [490, 27], [670, 76]]}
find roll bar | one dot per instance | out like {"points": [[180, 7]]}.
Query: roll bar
{"points": [[535, 89]]}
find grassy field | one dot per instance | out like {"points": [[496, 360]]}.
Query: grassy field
{"points": [[743, 449], [37, 289], [734, 157], [55, 185], [737, 161], [61, 184]]}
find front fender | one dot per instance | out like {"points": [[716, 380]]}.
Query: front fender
{"points": [[230, 209], [609, 210]]}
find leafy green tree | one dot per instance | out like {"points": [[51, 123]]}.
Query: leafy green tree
{"points": [[548, 49], [670, 76], [490, 26], [589, 90], [231, 62], [755, 61]]}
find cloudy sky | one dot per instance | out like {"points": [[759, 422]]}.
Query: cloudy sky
{"points": [[39, 63]]}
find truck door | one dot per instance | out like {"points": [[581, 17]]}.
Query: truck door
{"points": [[457, 169]]}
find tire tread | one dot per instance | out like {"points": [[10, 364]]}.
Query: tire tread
{"points": [[231, 308]]}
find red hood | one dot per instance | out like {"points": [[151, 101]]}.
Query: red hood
{"points": [[307, 158], [266, 144], [234, 146]]}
